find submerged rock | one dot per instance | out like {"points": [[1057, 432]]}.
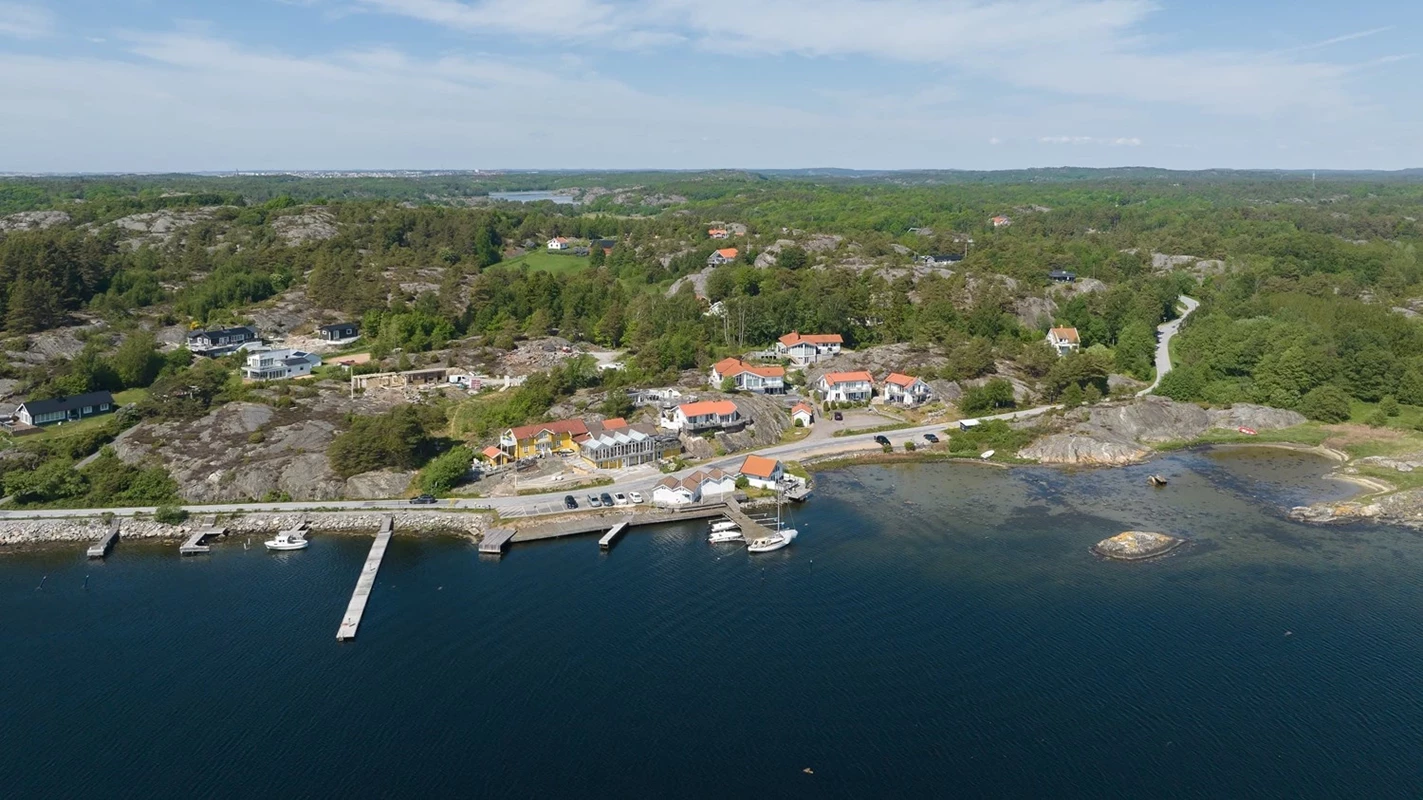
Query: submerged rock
{"points": [[1136, 545]]}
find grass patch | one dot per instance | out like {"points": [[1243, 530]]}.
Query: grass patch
{"points": [[591, 484], [794, 434], [881, 429], [87, 424], [547, 261], [1311, 433]]}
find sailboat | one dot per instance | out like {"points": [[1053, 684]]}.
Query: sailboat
{"points": [[780, 537]]}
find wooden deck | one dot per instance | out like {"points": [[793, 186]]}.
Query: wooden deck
{"points": [[494, 540], [357, 607], [196, 543], [102, 547]]}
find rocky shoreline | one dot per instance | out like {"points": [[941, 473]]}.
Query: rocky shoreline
{"points": [[40, 531], [1137, 545]]}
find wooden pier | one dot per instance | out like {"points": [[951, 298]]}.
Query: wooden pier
{"points": [[614, 533], [102, 547], [365, 583], [494, 540], [196, 543], [799, 494]]}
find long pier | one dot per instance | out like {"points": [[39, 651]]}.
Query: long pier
{"points": [[102, 547], [613, 534], [610, 525], [365, 583]]}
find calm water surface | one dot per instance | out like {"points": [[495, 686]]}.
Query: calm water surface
{"points": [[937, 630], [532, 197]]}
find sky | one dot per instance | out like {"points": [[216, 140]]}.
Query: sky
{"points": [[216, 85]]}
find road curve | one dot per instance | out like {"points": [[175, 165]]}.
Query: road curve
{"points": [[551, 502]]}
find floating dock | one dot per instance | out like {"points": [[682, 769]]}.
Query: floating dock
{"points": [[614, 533], [365, 583], [102, 547], [196, 544], [494, 541], [799, 494]]}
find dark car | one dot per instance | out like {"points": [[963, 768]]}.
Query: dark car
{"points": [[594, 502], [569, 502], [931, 438], [839, 416], [424, 500], [884, 440], [606, 498]]}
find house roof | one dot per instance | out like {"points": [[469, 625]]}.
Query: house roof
{"points": [[575, 427], [53, 404], [901, 380], [491, 452], [561, 239], [727, 252], [1064, 334], [1000, 219], [846, 377], [759, 467], [340, 326], [716, 230], [799, 407], [728, 367], [795, 337], [721, 408], [692, 483], [222, 332]]}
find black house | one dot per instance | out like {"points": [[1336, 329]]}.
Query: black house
{"points": [[220, 342], [65, 409], [339, 331], [1062, 276]]}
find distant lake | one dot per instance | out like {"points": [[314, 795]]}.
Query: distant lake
{"points": [[938, 630], [532, 197]]}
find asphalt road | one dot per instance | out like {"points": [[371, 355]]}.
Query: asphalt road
{"points": [[552, 502]]}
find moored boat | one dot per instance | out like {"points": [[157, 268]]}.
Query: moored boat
{"points": [[293, 539], [775, 541], [726, 535]]}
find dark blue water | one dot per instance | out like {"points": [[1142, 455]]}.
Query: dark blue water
{"points": [[937, 630]]}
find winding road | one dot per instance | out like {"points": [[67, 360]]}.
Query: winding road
{"points": [[551, 502]]}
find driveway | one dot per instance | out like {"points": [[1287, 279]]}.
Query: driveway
{"points": [[1163, 346]]}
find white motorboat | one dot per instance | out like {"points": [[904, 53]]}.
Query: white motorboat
{"points": [[294, 539], [775, 541], [724, 525], [726, 535]]}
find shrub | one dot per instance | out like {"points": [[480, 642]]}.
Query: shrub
{"points": [[170, 515], [256, 437], [887, 448], [447, 470], [1376, 419], [1326, 403], [909, 447], [1389, 406]]}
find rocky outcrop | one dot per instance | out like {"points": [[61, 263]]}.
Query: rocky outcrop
{"points": [[1121, 433], [1136, 545], [310, 225], [379, 484], [33, 220]]}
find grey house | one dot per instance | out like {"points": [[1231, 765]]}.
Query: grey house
{"points": [[64, 409], [340, 331], [221, 341]]}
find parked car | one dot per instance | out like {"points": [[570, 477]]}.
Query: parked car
{"points": [[931, 438], [569, 502], [606, 498], [620, 499], [424, 500], [594, 502], [882, 439], [636, 497], [839, 417]]}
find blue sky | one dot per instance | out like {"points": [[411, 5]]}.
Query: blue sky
{"points": [[154, 85]]}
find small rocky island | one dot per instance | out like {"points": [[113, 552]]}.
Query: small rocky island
{"points": [[1136, 545]]}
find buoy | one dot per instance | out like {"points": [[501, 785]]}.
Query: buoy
{"points": [[808, 771]]}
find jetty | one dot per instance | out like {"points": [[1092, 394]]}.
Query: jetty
{"points": [[494, 540], [196, 543], [799, 494], [357, 607], [614, 527], [102, 547], [614, 533]]}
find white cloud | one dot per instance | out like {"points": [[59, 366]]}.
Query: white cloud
{"points": [[1119, 141], [25, 21]]}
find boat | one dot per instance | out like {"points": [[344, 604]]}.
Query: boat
{"points": [[725, 536], [294, 539], [723, 525], [1156, 480], [987, 454], [778, 538]]}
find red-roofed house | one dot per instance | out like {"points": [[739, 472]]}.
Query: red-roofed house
{"points": [[802, 413], [763, 473], [726, 255], [543, 438], [494, 456], [846, 387], [718, 233], [1064, 340], [906, 390], [749, 377], [709, 484], [559, 243], [1002, 222], [703, 415], [809, 348]]}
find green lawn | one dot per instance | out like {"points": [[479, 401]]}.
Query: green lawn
{"points": [[73, 428], [547, 261]]}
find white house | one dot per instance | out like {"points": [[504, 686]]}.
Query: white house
{"points": [[842, 387], [64, 409], [703, 415], [559, 243], [763, 473], [1064, 340], [905, 390], [802, 413], [749, 378], [726, 255], [276, 365], [804, 349], [711, 484]]}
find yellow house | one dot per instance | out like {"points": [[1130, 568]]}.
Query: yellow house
{"points": [[543, 438]]}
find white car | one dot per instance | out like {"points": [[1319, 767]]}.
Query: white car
{"points": [[620, 498], [636, 497]]}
